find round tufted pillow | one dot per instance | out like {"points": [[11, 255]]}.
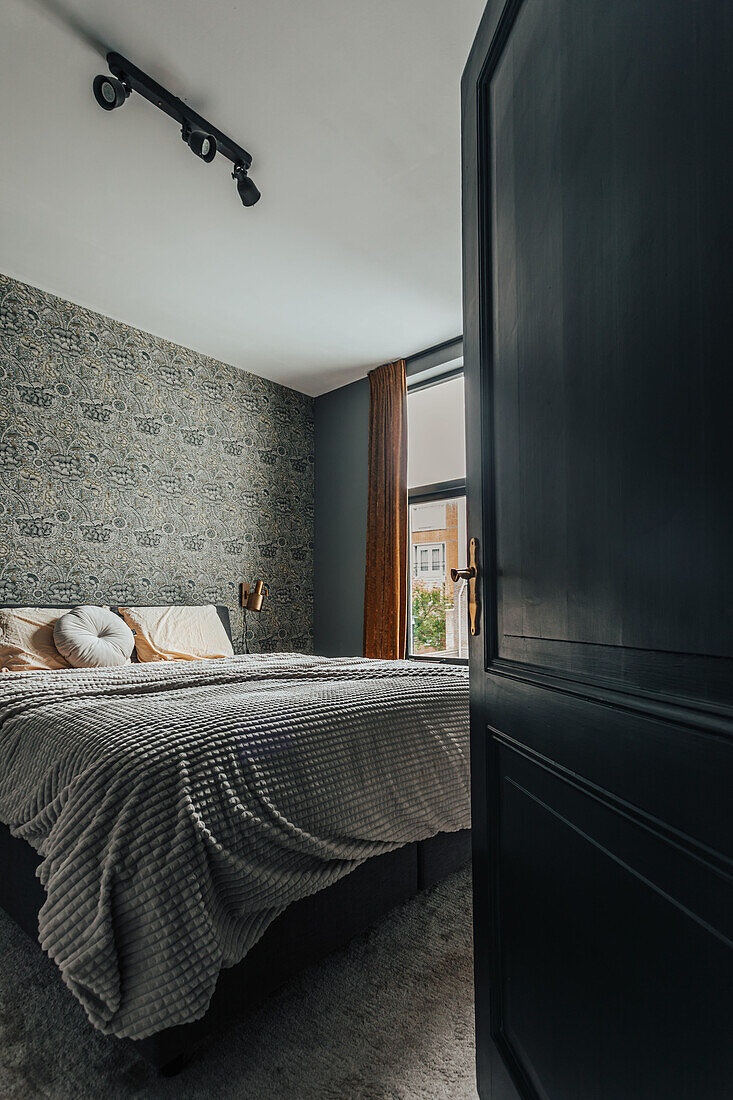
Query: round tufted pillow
{"points": [[90, 637]]}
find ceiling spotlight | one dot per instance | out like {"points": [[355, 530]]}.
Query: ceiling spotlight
{"points": [[203, 145], [201, 136], [109, 92], [248, 192]]}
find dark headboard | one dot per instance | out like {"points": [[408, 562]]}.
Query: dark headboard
{"points": [[221, 610]]}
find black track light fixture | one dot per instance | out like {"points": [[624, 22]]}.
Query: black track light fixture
{"points": [[248, 192], [203, 145], [110, 92], [202, 138]]}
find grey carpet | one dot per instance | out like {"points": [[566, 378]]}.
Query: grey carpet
{"points": [[388, 1018]]}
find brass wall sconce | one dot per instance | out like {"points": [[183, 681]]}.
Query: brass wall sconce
{"points": [[253, 598]]}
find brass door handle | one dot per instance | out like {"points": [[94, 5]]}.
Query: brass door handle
{"points": [[471, 575], [466, 574]]}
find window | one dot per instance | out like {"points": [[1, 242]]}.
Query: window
{"points": [[436, 476], [436, 448], [429, 558]]}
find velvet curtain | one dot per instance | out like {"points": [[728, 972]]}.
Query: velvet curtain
{"points": [[385, 587]]}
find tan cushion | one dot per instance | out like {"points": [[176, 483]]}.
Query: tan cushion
{"points": [[26, 639], [177, 633]]}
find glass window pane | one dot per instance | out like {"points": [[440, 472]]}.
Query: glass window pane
{"points": [[428, 517], [439, 607], [436, 447]]}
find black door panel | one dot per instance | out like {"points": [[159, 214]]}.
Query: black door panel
{"points": [[627, 936], [598, 286]]}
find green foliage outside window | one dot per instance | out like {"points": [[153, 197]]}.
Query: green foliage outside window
{"points": [[429, 606]]}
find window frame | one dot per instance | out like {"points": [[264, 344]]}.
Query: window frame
{"points": [[426, 494]]}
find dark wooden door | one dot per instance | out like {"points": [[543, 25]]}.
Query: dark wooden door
{"points": [[598, 346]]}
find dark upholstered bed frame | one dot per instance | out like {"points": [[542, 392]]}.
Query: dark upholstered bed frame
{"points": [[306, 932]]}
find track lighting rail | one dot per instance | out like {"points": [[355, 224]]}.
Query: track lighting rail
{"points": [[204, 139]]}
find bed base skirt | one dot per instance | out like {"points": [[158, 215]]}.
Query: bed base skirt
{"points": [[306, 932]]}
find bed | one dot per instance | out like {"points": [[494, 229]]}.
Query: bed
{"points": [[185, 836]]}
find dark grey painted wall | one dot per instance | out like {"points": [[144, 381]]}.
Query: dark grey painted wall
{"points": [[341, 423], [341, 477]]}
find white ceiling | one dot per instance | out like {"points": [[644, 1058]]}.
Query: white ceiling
{"points": [[351, 111]]}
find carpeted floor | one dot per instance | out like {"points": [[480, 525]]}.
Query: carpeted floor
{"points": [[388, 1018]]}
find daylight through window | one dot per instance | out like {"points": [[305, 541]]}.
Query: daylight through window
{"points": [[437, 514]]}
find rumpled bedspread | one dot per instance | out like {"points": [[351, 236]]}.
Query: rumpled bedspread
{"points": [[180, 807]]}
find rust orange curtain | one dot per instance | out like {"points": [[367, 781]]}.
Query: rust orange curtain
{"points": [[385, 587]]}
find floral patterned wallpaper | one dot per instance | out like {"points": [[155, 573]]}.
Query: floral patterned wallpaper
{"points": [[134, 470]]}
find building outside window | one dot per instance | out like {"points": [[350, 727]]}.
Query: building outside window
{"points": [[428, 559], [436, 477]]}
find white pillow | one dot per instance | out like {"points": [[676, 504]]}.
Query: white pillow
{"points": [[178, 632], [92, 637]]}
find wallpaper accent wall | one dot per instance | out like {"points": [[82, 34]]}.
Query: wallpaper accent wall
{"points": [[134, 470]]}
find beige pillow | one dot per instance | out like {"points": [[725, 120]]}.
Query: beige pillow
{"points": [[177, 633], [26, 639]]}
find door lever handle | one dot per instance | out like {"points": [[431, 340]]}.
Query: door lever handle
{"points": [[471, 575], [466, 574]]}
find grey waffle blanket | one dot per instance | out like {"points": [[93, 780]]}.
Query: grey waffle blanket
{"points": [[181, 806]]}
